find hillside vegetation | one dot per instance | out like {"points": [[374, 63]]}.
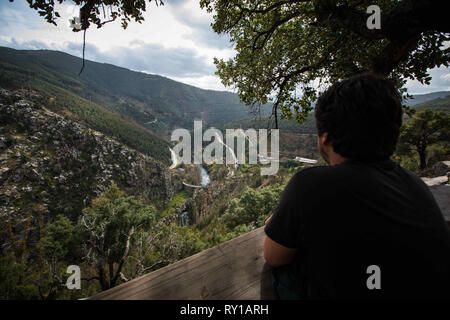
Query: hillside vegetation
{"points": [[438, 104], [51, 165]]}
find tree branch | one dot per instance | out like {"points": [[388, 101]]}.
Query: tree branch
{"points": [[283, 83], [124, 256], [349, 17], [268, 33], [270, 8], [392, 54]]}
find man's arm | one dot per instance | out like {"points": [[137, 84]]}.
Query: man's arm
{"points": [[275, 254], [284, 227]]}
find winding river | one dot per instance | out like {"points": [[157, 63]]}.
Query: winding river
{"points": [[204, 176]]}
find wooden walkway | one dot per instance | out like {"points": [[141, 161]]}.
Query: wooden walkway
{"points": [[230, 271]]}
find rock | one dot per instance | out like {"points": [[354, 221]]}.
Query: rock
{"points": [[23, 104], [4, 92], [441, 168], [2, 143], [27, 189], [435, 181]]}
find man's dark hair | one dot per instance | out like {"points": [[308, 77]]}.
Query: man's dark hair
{"points": [[362, 116]]}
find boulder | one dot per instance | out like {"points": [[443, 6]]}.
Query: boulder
{"points": [[435, 181], [441, 168]]}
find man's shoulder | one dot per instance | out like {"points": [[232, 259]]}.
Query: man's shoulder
{"points": [[309, 172], [349, 175], [321, 174], [355, 175]]}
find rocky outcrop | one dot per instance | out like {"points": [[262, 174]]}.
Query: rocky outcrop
{"points": [[441, 168], [51, 165], [435, 181], [440, 174]]}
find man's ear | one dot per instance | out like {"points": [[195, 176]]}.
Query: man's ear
{"points": [[324, 138]]}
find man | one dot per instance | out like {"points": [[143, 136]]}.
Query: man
{"points": [[362, 227]]}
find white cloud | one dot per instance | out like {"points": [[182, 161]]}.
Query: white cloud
{"points": [[440, 82], [205, 82], [446, 77]]}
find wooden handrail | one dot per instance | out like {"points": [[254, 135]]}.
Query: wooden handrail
{"points": [[232, 270]]}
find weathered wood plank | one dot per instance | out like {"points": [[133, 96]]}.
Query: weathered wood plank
{"points": [[232, 270]]}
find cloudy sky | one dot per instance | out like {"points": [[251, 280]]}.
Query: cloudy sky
{"points": [[175, 41]]}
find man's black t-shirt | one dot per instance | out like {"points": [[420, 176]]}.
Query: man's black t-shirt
{"points": [[344, 218]]}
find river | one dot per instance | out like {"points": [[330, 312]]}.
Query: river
{"points": [[205, 179], [204, 176]]}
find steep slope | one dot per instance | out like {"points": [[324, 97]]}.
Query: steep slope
{"points": [[51, 165], [18, 70]]}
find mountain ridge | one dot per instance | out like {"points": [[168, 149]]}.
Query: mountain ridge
{"points": [[137, 96], [422, 98]]}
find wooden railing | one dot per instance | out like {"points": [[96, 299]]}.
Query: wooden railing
{"points": [[230, 271]]}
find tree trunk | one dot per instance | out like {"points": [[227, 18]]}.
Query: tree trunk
{"points": [[423, 157], [102, 277], [111, 273]]}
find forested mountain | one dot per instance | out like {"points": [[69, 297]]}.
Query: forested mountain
{"points": [[153, 102], [421, 98], [299, 139], [64, 94], [438, 104], [437, 101]]}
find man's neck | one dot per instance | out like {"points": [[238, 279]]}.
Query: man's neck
{"points": [[336, 159]]}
